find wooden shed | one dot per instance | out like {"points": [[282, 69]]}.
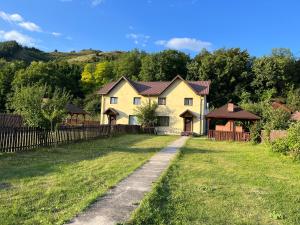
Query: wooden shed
{"points": [[230, 131]]}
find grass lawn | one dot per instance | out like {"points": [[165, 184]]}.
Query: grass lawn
{"points": [[225, 183], [50, 186]]}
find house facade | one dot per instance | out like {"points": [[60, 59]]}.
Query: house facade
{"points": [[182, 104]]}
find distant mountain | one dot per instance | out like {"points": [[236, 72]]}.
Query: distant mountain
{"points": [[11, 50]]}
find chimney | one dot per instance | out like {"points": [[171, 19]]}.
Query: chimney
{"points": [[230, 107]]}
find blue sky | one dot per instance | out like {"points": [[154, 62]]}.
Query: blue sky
{"points": [[152, 25]]}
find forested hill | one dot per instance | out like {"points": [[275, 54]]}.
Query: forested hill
{"points": [[11, 50], [235, 74]]}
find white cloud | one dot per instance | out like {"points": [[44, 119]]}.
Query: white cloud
{"points": [[30, 26], [56, 34], [11, 17], [97, 2], [138, 39], [17, 36], [191, 44]]}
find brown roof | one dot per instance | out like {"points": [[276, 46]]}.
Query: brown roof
{"points": [[73, 109], [280, 105], [187, 113], [296, 116], [111, 111], [238, 113], [157, 87]]}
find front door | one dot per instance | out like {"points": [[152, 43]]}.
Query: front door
{"points": [[188, 124], [112, 119]]}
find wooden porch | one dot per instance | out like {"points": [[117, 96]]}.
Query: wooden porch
{"points": [[228, 135]]}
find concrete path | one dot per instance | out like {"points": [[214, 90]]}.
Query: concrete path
{"points": [[118, 204]]}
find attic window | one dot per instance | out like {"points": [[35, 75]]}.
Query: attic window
{"points": [[113, 100], [188, 101]]}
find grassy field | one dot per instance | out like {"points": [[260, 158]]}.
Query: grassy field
{"points": [[49, 186], [216, 183]]}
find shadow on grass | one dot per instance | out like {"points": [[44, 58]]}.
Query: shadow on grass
{"points": [[40, 162]]}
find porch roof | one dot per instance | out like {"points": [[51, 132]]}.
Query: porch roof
{"points": [[187, 113], [111, 112]]}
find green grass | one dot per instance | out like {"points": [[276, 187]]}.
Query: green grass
{"points": [[216, 183], [50, 186]]}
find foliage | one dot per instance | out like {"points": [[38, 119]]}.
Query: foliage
{"points": [[255, 132], [164, 66], [53, 108], [38, 106], [146, 114], [53, 74], [7, 73], [229, 71], [129, 64], [293, 99], [92, 104], [289, 144], [27, 102], [275, 71]]}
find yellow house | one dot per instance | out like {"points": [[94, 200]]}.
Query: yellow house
{"points": [[182, 104]]}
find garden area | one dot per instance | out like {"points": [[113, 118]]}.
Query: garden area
{"points": [[225, 183], [52, 185]]}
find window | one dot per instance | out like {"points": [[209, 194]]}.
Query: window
{"points": [[163, 121], [161, 101], [113, 100], [136, 100], [133, 120], [188, 101]]}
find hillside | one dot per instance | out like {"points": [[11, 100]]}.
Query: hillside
{"points": [[11, 50]]}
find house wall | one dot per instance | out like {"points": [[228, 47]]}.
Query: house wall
{"points": [[229, 127], [174, 95]]}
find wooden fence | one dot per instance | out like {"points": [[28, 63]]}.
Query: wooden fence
{"points": [[10, 120], [228, 135], [25, 138]]}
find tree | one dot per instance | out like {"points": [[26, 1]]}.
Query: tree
{"points": [[293, 98], [103, 73], [53, 109], [54, 74], [38, 106], [7, 74], [164, 65], [27, 101], [129, 64], [88, 78], [275, 71], [146, 114], [229, 71]]}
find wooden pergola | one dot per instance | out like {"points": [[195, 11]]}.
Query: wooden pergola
{"points": [[230, 113], [75, 111]]}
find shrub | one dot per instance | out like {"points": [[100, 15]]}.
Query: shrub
{"points": [[290, 144], [255, 132]]}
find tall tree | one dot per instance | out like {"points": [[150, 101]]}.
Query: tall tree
{"points": [[275, 71], [129, 64], [7, 73], [164, 65], [228, 69]]}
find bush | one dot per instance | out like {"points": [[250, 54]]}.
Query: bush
{"points": [[290, 144], [255, 132]]}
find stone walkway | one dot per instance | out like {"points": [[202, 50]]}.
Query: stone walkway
{"points": [[118, 204]]}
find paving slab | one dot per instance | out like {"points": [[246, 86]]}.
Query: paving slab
{"points": [[119, 202]]}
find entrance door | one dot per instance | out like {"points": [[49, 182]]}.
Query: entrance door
{"points": [[188, 124], [112, 119]]}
